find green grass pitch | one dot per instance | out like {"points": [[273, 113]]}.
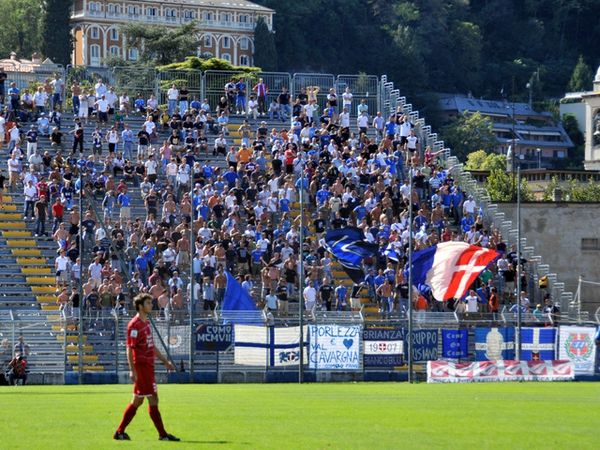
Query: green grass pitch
{"points": [[311, 416]]}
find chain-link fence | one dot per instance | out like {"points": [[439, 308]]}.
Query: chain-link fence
{"points": [[337, 345]]}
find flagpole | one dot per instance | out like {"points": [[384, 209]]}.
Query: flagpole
{"points": [[301, 274], [410, 279], [191, 305], [519, 287]]}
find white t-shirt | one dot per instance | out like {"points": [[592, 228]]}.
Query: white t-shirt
{"points": [[2, 124], [310, 296], [62, 263], [347, 99], [412, 142], [344, 120], [150, 126], [471, 303], [95, 271], [102, 105], [151, 167], [39, 98], [173, 94]]}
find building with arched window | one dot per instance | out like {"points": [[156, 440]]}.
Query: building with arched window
{"points": [[225, 27]]}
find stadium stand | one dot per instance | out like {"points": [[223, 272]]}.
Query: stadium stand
{"points": [[245, 219]]}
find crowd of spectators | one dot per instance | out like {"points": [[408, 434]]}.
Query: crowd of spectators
{"points": [[240, 201]]}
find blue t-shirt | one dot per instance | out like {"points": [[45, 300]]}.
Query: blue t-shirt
{"points": [[360, 212], [231, 177], [123, 200], [284, 205], [322, 196], [256, 255], [341, 292]]}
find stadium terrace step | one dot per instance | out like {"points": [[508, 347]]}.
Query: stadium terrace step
{"points": [[8, 209], [21, 243], [74, 348], [98, 368], [16, 234], [50, 307], [60, 328], [43, 289], [36, 270], [10, 215], [32, 261], [41, 280], [86, 358], [14, 225], [26, 252], [71, 337], [46, 298]]}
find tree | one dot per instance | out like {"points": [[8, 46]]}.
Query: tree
{"points": [[20, 27], [502, 187], [581, 79], [160, 45], [480, 160], [468, 133], [265, 55], [56, 31]]}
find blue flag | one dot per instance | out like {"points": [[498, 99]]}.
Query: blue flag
{"points": [[238, 306], [349, 247], [493, 344], [538, 344], [455, 344], [391, 253]]}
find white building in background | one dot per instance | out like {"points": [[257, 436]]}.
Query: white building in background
{"points": [[225, 27], [585, 106]]}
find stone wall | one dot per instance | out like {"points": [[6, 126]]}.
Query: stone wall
{"points": [[563, 235]]}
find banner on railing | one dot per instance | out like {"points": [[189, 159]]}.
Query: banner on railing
{"points": [[176, 337], [267, 346], [334, 347], [215, 338], [493, 344], [577, 345], [425, 345], [509, 370], [538, 344], [383, 347], [455, 344]]}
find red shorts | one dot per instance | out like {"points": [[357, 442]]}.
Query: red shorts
{"points": [[145, 384]]}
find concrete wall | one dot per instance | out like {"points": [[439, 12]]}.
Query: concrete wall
{"points": [[556, 231]]}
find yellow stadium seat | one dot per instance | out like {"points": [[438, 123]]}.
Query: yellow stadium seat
{"points": [[86, 358], [26, 252], [49, 307], [14, 225], [41, 280], [36, 270], [14, 234], [21, 243], [43, 289], [9, 216], [32, 261]]}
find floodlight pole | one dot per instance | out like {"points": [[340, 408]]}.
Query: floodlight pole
{"points": [[410, 279], [519, 287], [191, 302], [80, 287], [301, 274]]}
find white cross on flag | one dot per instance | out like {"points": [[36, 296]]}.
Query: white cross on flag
{"points": [[450, 268]]}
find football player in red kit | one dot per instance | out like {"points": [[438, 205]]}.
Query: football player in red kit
{"points": [[141, 353]]}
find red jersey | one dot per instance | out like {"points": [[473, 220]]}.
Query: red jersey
{"points": [[139, 339]]}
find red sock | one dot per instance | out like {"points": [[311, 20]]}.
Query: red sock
{"points": [[157, 419], [128, 416]]}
